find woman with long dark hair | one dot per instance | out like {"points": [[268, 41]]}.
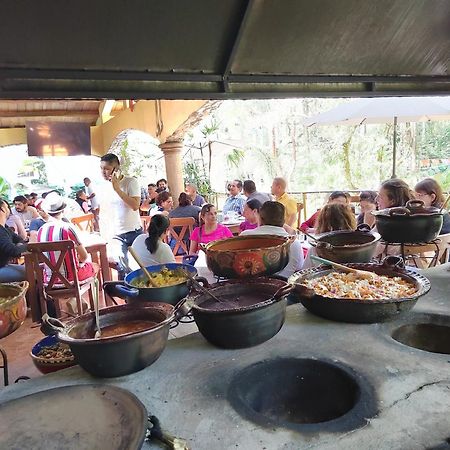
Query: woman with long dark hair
{"points": [[251, 214], [151, 248], [209, 229], [335, 217]]}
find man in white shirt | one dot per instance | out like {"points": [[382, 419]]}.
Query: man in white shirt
{"points": [[24, 211], [272, 220], [125, 208]]}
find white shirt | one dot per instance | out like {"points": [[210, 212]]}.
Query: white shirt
{"points": [[163, 254], [125, 218], [295, 252], [94, 200]]}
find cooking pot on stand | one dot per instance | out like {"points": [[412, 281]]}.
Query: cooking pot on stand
{"points": [[347, 246], [413, 223], [358, 310], [250, 312], [167, 294], [121, 354]]}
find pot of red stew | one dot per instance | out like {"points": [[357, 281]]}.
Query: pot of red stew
{"points": [[132, 338]]}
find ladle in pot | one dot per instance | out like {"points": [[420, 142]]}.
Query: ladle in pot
{"points": [[141, 265], [445, 203], [361, 274], [200, 286], [98, 333]]}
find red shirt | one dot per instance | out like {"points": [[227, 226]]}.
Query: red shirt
{"points": [[57, 230], [310, 223]]}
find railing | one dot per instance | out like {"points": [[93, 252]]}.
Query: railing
{"points": [[311, 200]]}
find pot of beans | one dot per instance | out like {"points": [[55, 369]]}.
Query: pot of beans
{"points": [[242, 313], [132, 337], [343, 297], [169, 284]]}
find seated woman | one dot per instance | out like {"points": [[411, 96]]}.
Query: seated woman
{"points": [[81, 199], [165, 204], [151, 248], [338, 197], [430, 192], [393, 193], [209, 229], [335, 217], [251, 214], [367, 203], [185, 208], [11, 246]]}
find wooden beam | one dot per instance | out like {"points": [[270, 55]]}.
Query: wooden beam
{"points": [[46, 113], [104, 111]]}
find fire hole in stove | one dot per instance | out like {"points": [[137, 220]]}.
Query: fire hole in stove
{"points": [[430, 337], [295, 392]]}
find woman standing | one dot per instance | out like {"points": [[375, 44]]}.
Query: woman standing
{"points": [[430, 192], [151, 248], [209, 229]]}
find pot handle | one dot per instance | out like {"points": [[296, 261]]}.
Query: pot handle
{"points": [[182, 308], [119, 289], [51, 326], [415, 204], [364, 228], [202, 280], [393, 262], [399, 211]]}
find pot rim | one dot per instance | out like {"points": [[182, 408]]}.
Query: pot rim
{"points": [[255, 306], [186, 266], [375, 235], [287, 241], [422, 283], [63, 336]]}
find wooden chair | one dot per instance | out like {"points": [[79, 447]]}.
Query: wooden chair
{"points": [[84, 222], [58, 286], [178, 230], [299, 215]]}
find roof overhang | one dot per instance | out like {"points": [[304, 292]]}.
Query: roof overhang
{"points": [[216, 49]]}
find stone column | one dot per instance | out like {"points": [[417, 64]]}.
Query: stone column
{"points": [[174, 168]]}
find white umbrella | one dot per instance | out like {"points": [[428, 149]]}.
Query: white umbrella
{"points": [[385, 110]]}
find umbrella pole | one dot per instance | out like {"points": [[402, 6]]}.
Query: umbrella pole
{"points": [[394, 149]]}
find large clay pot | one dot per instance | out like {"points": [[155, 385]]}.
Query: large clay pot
{"points": [[13, 307], [244, 256]]}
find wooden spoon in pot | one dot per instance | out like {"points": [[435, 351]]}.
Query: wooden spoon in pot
{"points": [[361, 274], [141, 265]]}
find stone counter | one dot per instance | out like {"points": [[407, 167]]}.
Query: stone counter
{"points": [[188, 387]]}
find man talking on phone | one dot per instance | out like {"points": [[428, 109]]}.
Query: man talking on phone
{"points": [[125, 208]]}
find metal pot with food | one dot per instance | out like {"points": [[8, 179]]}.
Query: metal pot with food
{"points": [[244, 256], [347, 246], [344, 297], [169, 284], [244, 313], [413, 223], [132, 337]]}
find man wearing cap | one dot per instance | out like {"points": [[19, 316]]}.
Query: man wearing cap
{"points": [[56, 229], [125, 208]]}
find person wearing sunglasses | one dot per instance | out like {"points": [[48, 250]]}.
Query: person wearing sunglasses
{"points": [[235, 201], [11, 246]]}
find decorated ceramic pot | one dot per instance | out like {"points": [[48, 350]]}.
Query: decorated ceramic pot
{"points": [[13, 306], [248, 256]]}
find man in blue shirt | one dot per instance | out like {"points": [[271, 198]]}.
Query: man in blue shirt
{"points": [[235, 201]]}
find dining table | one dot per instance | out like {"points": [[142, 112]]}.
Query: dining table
{"points": [[96, 246]]}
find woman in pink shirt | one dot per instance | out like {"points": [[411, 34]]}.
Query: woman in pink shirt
{"points": [[251, 214], [209, 229]]}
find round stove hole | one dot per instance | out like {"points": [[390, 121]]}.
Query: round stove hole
{"points": [[294, 391], [424, 336]]}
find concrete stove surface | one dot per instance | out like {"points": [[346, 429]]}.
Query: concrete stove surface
{"points": [[187, 387]]}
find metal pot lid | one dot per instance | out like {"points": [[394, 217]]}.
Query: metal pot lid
{"points": [[83, 417], [412, 208]]}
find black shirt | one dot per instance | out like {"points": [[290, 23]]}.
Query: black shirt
{"points": [[8, 247]]}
